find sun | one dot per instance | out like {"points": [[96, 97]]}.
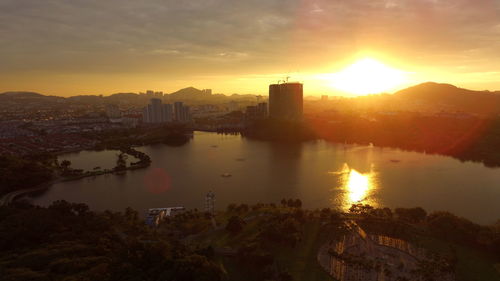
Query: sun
{"points": [[367, 76]]}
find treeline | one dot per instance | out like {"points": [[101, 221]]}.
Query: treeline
{"points": [[467, 139], [175, 134], [440, 224], [19, 173], [69, 242], [263, 238]]}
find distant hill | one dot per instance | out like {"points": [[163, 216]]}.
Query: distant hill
{"points": [[188, 93], [452, 97], [9, 98], [21, 95], [432, 91], [123, 95]]}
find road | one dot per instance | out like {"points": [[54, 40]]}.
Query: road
{"points": [[11, 196]]}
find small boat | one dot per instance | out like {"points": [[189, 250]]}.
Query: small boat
{"points": [[215, 146], [226, 175]]}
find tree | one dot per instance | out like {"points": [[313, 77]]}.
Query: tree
{"points": [[231, 207], [131, 214], [285, 276], [243, 208], [381, 213], [360, 209], [298, 203], [335, 217], [65, 164], [412, 215], [283, 202], [235, 225], [325, 213], [121, 163]]}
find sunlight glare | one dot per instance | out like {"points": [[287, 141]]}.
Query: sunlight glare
{"points": [[358, 187], [367, 76]]}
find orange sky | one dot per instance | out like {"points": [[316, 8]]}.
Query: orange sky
{"points": [[102, 47]]}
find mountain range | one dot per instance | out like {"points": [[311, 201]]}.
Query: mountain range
{"points": [[187, 94], [452, 98], [430, 95]]}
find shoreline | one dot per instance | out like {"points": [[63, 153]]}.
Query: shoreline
{"points": [[10, 197]]}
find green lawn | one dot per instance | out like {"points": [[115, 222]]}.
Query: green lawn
{"points": [[301, 261]]}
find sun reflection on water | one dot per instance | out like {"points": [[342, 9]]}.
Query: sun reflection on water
{"points": [[356, 187]]}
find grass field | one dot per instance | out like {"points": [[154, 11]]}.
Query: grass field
{"points": [[301, 261]]}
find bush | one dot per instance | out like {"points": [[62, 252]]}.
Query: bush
{"points": [[235, 225]]}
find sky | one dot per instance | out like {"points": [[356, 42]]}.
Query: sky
{"points": [[69, 47]]}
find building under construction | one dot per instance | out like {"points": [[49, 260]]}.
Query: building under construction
{"points": [[286, 101]]}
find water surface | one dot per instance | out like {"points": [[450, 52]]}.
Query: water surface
{"points": [[321, 174]]}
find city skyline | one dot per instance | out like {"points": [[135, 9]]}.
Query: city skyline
{"points": [[97, 47], [283, 140]]}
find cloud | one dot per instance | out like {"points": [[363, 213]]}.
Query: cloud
{"points": [[227, 36]]}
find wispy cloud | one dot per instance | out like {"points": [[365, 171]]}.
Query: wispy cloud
{"points": [[249, 36]]}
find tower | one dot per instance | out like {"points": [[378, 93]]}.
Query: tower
{"points": [[210, 203]]}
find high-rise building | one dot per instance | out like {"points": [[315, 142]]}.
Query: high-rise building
{"points": [[181, 113], [156, 112], [256, 112], [286, 101], [324, 98], [178, 110], [206, 91], [168, 113]]}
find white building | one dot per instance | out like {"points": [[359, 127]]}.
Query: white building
{"points": [[156, 112], [181, 112]]}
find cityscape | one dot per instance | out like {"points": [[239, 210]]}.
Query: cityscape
{"points": [[253, 140]]}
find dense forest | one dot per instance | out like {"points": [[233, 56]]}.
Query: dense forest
{"points": [[18, 173], [67, 241]]}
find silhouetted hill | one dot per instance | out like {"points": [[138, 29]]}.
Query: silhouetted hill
{"points": [[188, 93], [22, 94], [85, 99], [27, 98], [123, 95], [453, 98], [120, 97]]}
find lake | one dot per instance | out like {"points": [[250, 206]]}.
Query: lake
{"points": [[321, 174]]}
